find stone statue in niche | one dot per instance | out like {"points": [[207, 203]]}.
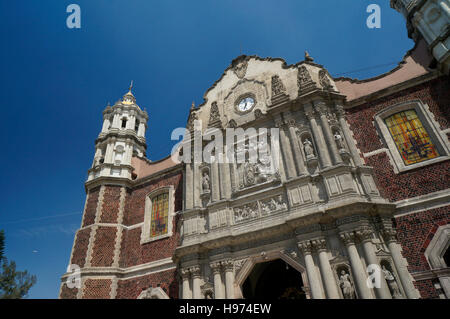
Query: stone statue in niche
{"points": [[392, 283], [308, 148], [346, 285], [339, 140], [205, 182]]}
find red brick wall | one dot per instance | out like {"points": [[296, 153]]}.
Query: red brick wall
{"points": [[436, 94], [135, 203], [91, 207], [132, 252], [111, 203], [97, 289], [103, 249], [131, 288], [68, 293], [415, 231], [81, 246]]}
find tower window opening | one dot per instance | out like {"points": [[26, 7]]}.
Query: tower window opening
{"points": [[136, 126], [124, 123]]}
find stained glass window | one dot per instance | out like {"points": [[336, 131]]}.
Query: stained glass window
{"points": [[160, 209], [410, 137]]}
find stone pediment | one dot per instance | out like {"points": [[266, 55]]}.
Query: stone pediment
{"points": [[268, 82]]}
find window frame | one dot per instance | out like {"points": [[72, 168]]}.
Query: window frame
{"points": [[146, 227], [429, 124]]}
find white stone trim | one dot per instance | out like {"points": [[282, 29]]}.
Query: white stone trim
{"points": [[376, 152], [113, 225], [98, 211], [153, 293], [119, 232], [129, 272], [434, 255], [145, 234], [422, 203], [84, 210], [438, 138], [88, 259], [437, 247]]}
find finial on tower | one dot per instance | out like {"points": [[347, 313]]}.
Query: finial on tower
{"points": [[308, 57], [131, 86], [193, 105]]}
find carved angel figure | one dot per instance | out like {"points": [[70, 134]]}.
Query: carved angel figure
{"points": [[308, 148], [205, 182], [339, 140], [392, 283], [346, 285]]}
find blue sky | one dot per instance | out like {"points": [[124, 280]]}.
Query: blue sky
{"points": [[55, 83]]}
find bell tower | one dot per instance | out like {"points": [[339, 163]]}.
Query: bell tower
{"points": [[121, 137], [430, 20]]}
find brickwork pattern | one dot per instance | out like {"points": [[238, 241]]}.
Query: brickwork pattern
{"points": [[135, 202], [131, 288], [97, 289], [110, 207], [436, 94], [103, 250], [91, 207], [68, 293], [81, 247], [414, 232]]}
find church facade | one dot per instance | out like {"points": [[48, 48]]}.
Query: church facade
{"points": [[351, 200]]}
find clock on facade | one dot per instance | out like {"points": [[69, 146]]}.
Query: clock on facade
{"points": [[246, 104]]}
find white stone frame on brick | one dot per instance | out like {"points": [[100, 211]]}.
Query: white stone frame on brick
{"points": [[435, 253], [146, 227], [437, 136]]}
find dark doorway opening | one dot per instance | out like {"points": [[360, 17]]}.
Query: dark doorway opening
{"points": [[273, 280]]}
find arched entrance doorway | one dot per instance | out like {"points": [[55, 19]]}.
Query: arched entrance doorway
{"points": [[273, 280]]}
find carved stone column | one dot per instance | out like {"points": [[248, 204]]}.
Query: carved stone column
{"points": [[298, 160], [215, 180], [321, 109], [218, 285], [390, 235], [225, 179], [365, 235], [313, 279], [197, 185], [357, 267], [228, 266], [286, 149], [325, 269], [185, 275], [195, 274], [324, 157], [189, 186], [348, 137]]}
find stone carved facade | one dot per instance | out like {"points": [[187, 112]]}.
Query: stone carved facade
{"points": [[324, 199]]}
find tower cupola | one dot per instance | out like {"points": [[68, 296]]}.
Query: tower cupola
{"points": [[122, 137]]}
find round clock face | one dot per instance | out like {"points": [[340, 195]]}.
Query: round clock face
{"points": [[246, 104]]}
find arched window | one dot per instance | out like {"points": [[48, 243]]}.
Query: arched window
{"points": [[412, 136], [159, 212], [412, 140], [124, 122], [136, 126]]}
